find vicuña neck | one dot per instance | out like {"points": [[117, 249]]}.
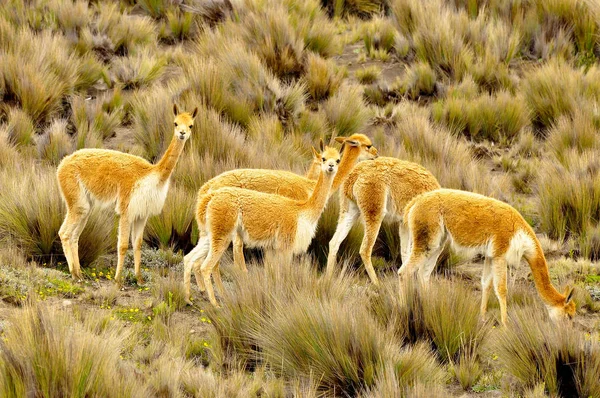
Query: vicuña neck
{"points": [[313, 171], [169, 160], [349, 159], [318, 199], [541, 278]]}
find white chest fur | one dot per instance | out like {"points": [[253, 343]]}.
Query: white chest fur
{"points": [[148, 197], [305, 232]]}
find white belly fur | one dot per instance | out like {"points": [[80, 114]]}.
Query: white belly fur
{"points": [[148, 197]]}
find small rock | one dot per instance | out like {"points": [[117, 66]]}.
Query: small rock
{"points": [[192, 331], [67, 303]]}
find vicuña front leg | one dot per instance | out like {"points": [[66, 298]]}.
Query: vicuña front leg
{"points": [[122, 247], [348, 215], [193, 261], [487, 277], [69, 235], [499, 270], [137, 235], [373, 209], [217, 247]]}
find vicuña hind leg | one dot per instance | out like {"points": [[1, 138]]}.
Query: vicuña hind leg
{"points": [[427, 266], [75, 240], [217, 248], [238, 253], [69, 232], [218, 281], [487, 277], [124, 225], [348, 215], [404, 242], [192, 261], [373, 210], [137, 234], [499, 270]]}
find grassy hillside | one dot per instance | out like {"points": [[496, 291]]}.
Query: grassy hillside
{"points": [[498, 97]]}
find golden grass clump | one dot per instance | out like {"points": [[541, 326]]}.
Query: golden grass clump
{"points": [[379, 35], [271, 35], [368, 75], [138, 70], [346, 111], [569, 195], [124, 32], [20, 128], [323, 78], [532, 351], [498, 118], [55, 143], [418, 81], [84, 362], [333, 340], [438, 150], [233, 80]]}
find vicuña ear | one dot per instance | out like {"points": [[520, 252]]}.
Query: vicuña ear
{"points": [[316, 153], [175, 110], [569, 293], [352, 143], [194, 112], [321, 145], [340, 139]]}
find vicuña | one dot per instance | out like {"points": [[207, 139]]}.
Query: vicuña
{"points": [[377, 189], [260, 219], [137, 188], [487, 226], [354, 148]]}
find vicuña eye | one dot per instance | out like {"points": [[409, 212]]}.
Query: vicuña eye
{"points": [[369, 146], [337, 161], [175, 124], [191, 125]]}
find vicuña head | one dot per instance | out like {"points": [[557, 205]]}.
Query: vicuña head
{"points": [[361, 141], [137, 188], [485, 225], [183, 123], [260, 219]]}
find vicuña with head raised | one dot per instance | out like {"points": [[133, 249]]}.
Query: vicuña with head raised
{"points": [[137, 188], [260, 219], [485, 225], [285, 183]]}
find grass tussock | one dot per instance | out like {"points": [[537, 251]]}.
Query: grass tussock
{"points": [[20, 128], [346, 111], [84, 362], [271, 34], [332, 340], [498, 118], [533, 351], [435, 148], [418, 314], [568, 195], [419, 81], [55, 143], [323, 78], [367, 75]]}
